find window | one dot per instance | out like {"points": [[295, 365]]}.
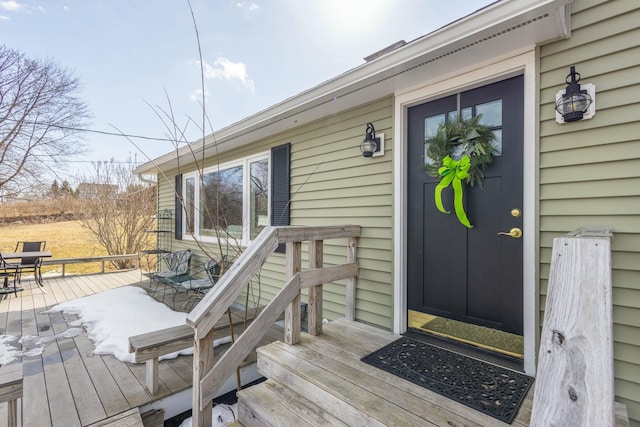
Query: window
{"points": [[227, 202], [491, 117]]}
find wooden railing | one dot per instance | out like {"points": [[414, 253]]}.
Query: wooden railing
{"points": [[101, 259], [150, 346], [11, 390], [208, 376]]}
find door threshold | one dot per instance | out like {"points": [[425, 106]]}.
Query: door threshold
{"points": [[487, 339]]}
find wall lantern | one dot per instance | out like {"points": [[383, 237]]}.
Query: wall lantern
{"points": [[576, 102], [372, 145]]}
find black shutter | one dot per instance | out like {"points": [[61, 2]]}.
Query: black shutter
{"points": [[280, 187], [178, 207]]}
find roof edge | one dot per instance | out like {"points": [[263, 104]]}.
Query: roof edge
{"points": [[484, 19]]}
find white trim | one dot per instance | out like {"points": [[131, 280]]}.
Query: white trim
{"points": [[380, 152], [529, 266], [515, 63], [245, 163], [186, 234]]}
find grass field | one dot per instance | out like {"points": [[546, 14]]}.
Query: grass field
{"points": [[66, 239]]}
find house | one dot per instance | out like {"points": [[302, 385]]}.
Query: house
{"points": [[88, 190], [507, 61]]}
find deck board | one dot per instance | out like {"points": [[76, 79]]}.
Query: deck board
{"points": [[111, 398], [34, 412], [127, 383], [85, 396], [59, 396], [14, 317], [182, 367]]}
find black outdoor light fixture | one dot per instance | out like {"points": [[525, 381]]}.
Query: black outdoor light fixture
{"points": [[370, 144], [574, 103]]}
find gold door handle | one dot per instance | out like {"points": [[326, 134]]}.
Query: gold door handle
{"points": [[515, 232]]}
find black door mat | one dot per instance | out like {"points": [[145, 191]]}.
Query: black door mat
{"points": [[490, 389]]}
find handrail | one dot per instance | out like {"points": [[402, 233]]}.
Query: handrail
{"points": [[209, 377], [215, 303], [293, 233], [217, 376]]}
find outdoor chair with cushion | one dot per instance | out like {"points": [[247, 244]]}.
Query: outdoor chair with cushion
{"points": [[178, 266], [30, 264]]}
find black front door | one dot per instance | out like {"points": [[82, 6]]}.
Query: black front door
{"points": [[470, 275]]}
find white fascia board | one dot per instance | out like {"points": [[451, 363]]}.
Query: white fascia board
{"points": [[519, 19]]}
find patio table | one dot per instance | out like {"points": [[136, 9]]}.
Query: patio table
{"points": [[6, 256]]}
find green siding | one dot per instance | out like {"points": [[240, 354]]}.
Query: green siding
{"points": [[589, 169], [331, 183]]}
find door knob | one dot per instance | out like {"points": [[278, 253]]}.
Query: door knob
{"points": [[515, 232]]}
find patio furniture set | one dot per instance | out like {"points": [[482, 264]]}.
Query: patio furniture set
{"points": [[26, 258], [179, 276]]}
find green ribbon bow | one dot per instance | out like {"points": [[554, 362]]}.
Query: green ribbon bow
{"points": [[453, 172]]}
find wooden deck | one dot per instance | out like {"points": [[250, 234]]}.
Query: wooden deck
{"points": [[67, 385]]}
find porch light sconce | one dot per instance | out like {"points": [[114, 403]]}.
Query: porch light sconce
{"points": [[576, 102], [372, 145]]}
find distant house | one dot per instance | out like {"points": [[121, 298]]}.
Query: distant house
{"points": [[92, 191], [506, 61]]}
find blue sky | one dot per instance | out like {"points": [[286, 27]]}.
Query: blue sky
{"points": [[127, 54]]}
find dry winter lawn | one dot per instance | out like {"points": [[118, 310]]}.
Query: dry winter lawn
{"points": [[66, 239]]}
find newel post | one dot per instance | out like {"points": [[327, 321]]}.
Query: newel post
{"points": [[292, 312], [575, 375], [202, 364], [350, 304], [314, 307]]}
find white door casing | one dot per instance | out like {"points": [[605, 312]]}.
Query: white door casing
{"points": [[515, 63]]}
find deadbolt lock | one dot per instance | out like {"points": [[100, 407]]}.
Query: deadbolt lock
{"points": [[516, 213]]}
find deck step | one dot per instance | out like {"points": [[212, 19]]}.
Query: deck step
{"points": [[330, 385], [328, 375], [130, 418], [272, 404]]}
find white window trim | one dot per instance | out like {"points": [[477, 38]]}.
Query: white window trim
{"points": [[245, 162], [185, 177], [495, 69]]}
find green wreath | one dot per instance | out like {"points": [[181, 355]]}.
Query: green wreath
{"points": [[460, 152]]}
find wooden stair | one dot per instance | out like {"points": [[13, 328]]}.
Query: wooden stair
{"points": [[270, 403], [130, 418], [321, 381]]}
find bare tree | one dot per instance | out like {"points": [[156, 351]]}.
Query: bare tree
{"points": [[40, 113], [118, 208]]}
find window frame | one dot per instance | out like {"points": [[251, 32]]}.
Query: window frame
{"points": [[245, 163]]}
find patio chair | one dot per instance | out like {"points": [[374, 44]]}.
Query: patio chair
{"points": [[178, 266], [7, 271], [199, 286], [29, 264]]}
